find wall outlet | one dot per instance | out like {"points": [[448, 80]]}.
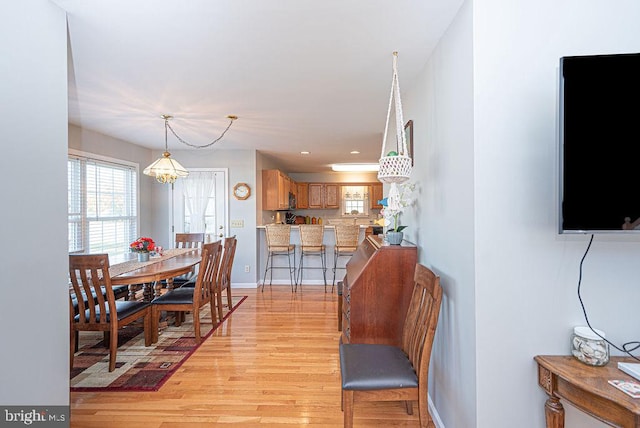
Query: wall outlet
{"points": [[237, 223], [246, 268]]}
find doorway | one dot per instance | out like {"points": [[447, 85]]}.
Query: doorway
{"points": [[200, 203]]}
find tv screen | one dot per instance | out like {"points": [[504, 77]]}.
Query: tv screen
{"points": [[600, 143]]}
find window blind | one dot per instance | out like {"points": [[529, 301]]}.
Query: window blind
{"points": [[102, 206]]}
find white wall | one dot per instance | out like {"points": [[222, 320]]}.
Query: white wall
{"points": [[494, 239], [442, 221], [34, 307]]}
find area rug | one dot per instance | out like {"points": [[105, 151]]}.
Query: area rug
{"points": [[139, 368]]}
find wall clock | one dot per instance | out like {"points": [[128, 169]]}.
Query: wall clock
{"points": [[241, 191]]}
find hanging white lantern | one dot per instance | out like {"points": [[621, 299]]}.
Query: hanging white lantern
{"points": [[395, 165]]}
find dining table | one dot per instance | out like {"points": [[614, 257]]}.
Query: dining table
{"points": [[127, 270]]}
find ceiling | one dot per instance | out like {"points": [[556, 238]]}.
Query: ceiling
{"points": [[299, 74]]}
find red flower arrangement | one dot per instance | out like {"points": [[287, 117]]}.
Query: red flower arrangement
{"points": [[142, 245]]}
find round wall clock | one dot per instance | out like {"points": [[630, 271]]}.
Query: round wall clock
{"points": [[241, 191]]}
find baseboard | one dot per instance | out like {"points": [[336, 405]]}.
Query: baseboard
{"points": [[434, 414]]}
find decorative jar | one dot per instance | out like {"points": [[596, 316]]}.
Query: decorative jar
{"points": [[589, 346], [143, 256]]}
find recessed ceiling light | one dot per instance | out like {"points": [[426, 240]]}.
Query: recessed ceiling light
{"points": [[355, 167], [355, 152], [305, 153]]}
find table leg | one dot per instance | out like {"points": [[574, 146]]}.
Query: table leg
{"points": [[554, 412], [157, 289]]}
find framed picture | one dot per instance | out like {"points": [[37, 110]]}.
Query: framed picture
{"points": [[408, 132]]}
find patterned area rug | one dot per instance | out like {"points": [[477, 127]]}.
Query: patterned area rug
{"points": [[139, 368]]}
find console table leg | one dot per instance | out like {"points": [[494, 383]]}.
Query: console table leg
{"points": [[554, 413]]}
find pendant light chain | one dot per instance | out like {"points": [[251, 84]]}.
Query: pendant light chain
{"points": [[232, 118]]}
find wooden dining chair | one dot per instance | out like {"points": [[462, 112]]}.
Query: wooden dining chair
{"points": [[376, 372], [224, 274], [89, 276], [191, 299], [185, 240], [189, 240]]}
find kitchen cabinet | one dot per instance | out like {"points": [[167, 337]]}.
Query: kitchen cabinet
{"points": [[302, 198], [375, 194], [276, 187], [324, 195]]}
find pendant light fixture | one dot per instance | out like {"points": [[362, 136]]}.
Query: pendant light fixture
{"points": [[165, 169]]}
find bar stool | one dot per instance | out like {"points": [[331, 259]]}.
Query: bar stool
{"points": [[279, 245], [311, 236], [347, 237]]}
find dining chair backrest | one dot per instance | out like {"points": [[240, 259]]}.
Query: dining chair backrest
{"points": [[189, 240], [224, 274], [89, 276], [207, 273]]}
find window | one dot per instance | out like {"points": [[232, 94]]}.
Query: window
{"points": [[102, 205], [355, 201]]}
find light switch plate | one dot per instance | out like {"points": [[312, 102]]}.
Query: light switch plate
{"points": [[237, 223]]}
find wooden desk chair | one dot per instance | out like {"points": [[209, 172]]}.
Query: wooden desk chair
{"points": [[224, 274], [89, 275], [375, 372], [311, 238], [191, 299], [278, 237], [347, 237]]}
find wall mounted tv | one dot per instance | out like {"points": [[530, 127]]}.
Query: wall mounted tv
{"points": [[599, 127]]}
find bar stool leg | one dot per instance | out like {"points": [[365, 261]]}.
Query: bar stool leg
{"points": [[323, 256], [292, 272], [300, 270]]}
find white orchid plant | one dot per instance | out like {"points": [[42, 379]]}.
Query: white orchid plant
{"points": [[399, 198]]}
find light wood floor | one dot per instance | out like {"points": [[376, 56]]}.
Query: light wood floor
{"points": [[274, 362]]}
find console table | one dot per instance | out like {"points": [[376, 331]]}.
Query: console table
{"points": [[587, 388]]}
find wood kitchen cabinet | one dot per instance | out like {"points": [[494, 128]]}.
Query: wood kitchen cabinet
{"points": [[302, 198], [375, 194], [276, 187], [324, 195]]}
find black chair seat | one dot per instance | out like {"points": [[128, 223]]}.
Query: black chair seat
{"points": [[191, 283], [176, 296], [119, 291], [124, 309], [372, 367]]}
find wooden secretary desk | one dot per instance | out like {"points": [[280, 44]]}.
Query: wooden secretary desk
{"points": [[376, 291]]}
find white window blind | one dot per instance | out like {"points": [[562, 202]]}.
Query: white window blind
{"points": [[102, 205]]}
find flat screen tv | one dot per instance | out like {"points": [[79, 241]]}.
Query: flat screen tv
{"points": [[599, 127]]}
